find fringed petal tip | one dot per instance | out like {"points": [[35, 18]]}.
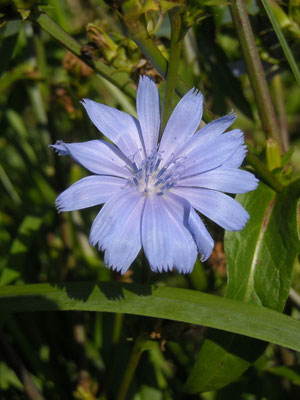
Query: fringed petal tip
{"points": [[117, 268], [167, 268], [60, 148], [94, 243], [232, 114], [84, 101], [185, 270], [204, 257], [255, 183], [143, 78], [243, 223], [194, 93], [58, 205], [89, 105], [160, 268]]}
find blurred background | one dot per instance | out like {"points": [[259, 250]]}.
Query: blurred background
{"points": [[83, 356]]}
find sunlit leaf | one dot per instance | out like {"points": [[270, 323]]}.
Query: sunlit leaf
{"points": [[260, 260], [161, 302]]}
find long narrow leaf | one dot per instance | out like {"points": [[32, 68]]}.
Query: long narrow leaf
{"points": [[161, 302]]}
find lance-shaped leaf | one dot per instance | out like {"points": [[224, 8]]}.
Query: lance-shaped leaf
{"points": [[260, 261], [171, 303]]}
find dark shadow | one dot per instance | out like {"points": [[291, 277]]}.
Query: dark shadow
{"points": [[76, 290], [112, 290], [249, 349], [115, 290], [27, 303]]}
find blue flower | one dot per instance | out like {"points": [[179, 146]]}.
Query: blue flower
{"points": [[152, 192]]}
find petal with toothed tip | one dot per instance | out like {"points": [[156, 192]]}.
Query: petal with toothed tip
{"points": [[89, 191], [121, 128], [230, 180], [98, 156], [167, 242], [182, 124], [212, 153], [217, 206], [116, 229]]}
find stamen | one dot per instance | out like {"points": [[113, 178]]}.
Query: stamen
{"points": [[149, 180], [157, 164]]}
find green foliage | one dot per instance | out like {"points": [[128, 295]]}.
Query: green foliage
{"points": [[260, 261], [180, 335], [160, 302]]}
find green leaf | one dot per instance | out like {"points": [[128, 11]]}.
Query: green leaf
{"points": [[260, 260], [261, 257], [161, 302], [19, 248], [8, 39]]}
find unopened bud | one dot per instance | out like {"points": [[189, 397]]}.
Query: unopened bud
{"points": [[273, 156]]}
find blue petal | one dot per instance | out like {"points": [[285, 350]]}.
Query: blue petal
{"points": [[148, 110], [204, 241], [121, 128], [116, 229], [89, 191], [97, 156], [237, 158], [210, 154], [192, 221], [218, 207], [166, 240], [182, 124], [218, 126], [209, 132], [230, 180]]}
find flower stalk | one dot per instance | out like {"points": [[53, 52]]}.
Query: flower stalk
{"points": [[263, 172], [255, 71]]}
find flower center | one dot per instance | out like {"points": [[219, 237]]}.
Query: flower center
{"points": [[150, 179]]}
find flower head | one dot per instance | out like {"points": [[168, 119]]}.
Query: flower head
{"points": [[154, 191]]}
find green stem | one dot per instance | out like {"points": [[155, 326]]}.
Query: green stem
{"points": [[278, 98], [135, 356], [263, 172], [121, 80], [175, 52], [255, 71]]}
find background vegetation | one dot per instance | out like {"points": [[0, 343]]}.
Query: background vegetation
{"points": [[153, 349]]}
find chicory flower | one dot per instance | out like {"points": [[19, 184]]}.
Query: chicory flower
{"points": [[153, 192]]}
